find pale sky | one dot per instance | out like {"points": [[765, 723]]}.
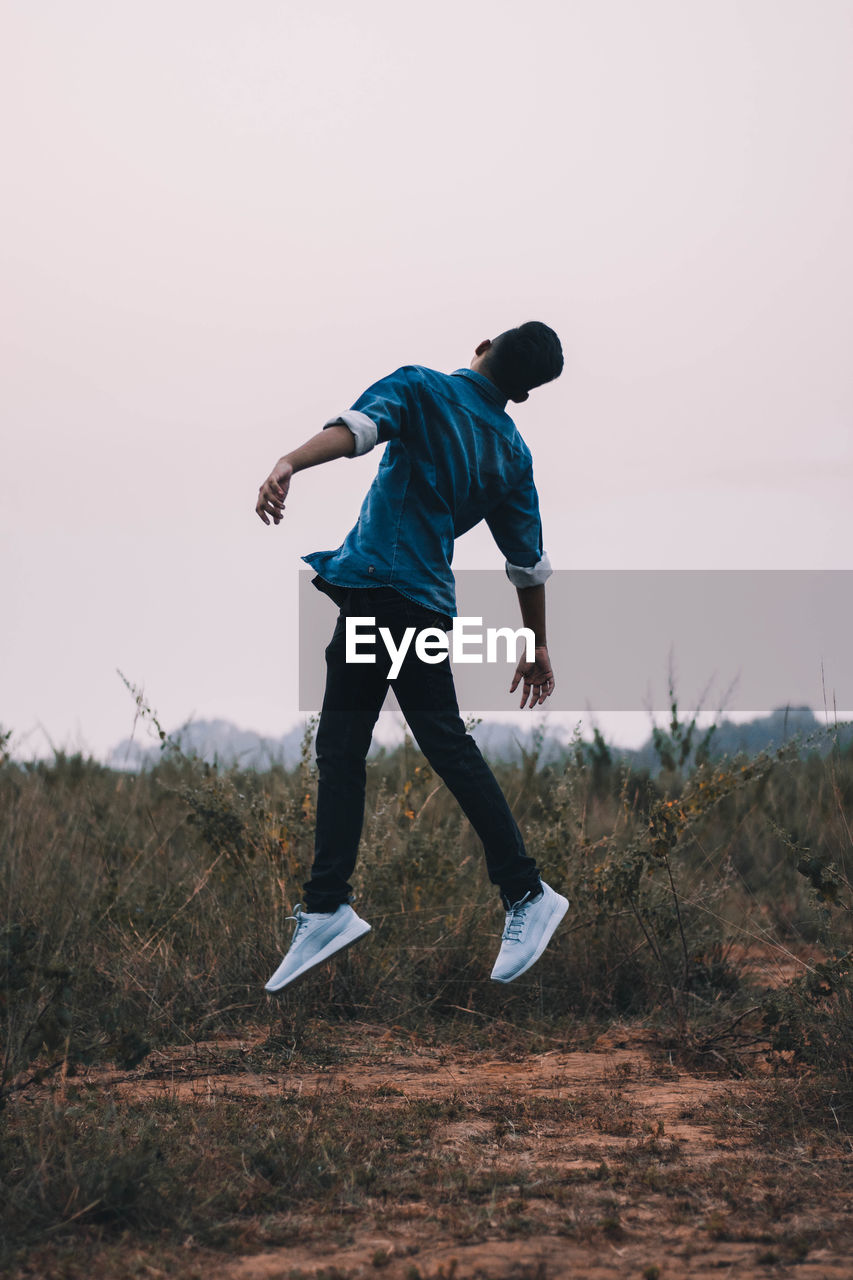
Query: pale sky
{"points": [[222, 221]]}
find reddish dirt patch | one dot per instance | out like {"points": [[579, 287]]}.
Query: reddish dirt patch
{"points": [[610, 1143]]}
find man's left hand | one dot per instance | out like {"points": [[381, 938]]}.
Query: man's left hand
{"points": [[536, 678]]}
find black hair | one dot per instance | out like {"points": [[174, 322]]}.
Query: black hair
{"points": [[523, 358]]}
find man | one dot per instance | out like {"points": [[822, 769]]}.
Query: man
{"points": [[453, 458]]}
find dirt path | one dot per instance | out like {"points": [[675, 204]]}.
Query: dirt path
{"points": [[602, 1163]]}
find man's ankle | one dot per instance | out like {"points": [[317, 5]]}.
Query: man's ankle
{"points": [[509, 899]]}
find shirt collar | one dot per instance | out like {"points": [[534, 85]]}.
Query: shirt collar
{"points": [[489, 389]]}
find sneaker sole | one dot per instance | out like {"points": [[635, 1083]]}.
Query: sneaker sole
{"points": [[558, 910], [340, 943]]}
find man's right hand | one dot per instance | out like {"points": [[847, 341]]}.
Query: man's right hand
{"points": [[536, 678], [335, 441], [273, 492]]}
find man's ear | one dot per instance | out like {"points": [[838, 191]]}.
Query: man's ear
{"points": [[483, 347]]}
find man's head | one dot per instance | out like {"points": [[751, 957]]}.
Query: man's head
{"points": [[520, 359]]}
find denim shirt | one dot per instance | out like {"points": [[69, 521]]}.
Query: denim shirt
{"points": [[453, 457]]}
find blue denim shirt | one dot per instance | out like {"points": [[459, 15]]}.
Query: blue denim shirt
{"points": [[453, 457]]}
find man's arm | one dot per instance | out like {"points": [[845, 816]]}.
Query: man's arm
{"points": [[536, 677], [331, 442]]}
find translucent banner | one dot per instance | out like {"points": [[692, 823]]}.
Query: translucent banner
{"points": [[749, 640]]}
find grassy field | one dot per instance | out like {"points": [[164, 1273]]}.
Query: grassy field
{"points": [[635, 1104]]}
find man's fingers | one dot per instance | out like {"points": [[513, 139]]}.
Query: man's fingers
{"points": [[537, 688], [272, 493], [269, 506], [545, 690], [538, 685], [270, 503]]}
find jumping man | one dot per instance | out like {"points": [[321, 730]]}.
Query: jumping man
{"points": [[453, 458]]}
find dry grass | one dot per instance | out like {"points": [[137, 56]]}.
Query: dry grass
{"points": [[147, 911]]}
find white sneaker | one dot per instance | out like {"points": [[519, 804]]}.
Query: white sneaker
{"points": [[318, 936], [530, 925]]}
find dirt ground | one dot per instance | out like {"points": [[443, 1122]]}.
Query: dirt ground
{"points": [[659, 1173]]}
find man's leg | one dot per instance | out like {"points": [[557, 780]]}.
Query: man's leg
{"points": [[351, 706], [427, 698], [354, 696], [533, 910]]}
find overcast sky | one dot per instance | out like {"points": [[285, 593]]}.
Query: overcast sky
{"points": [[223, 220]]}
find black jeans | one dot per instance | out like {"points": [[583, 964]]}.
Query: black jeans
{"points": [[427, 698]]}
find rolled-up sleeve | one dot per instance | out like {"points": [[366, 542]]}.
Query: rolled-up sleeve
{"points": [[363, 428], [532, 576], [379, 414], [517, 529]]}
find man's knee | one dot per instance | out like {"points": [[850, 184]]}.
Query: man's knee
{"points": [[341, 752], [449, 749]]}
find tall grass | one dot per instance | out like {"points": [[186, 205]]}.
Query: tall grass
{"points": [[147, 909]]}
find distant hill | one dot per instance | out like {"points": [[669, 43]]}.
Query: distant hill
{"points": [[508, 742], [219, 741]]}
